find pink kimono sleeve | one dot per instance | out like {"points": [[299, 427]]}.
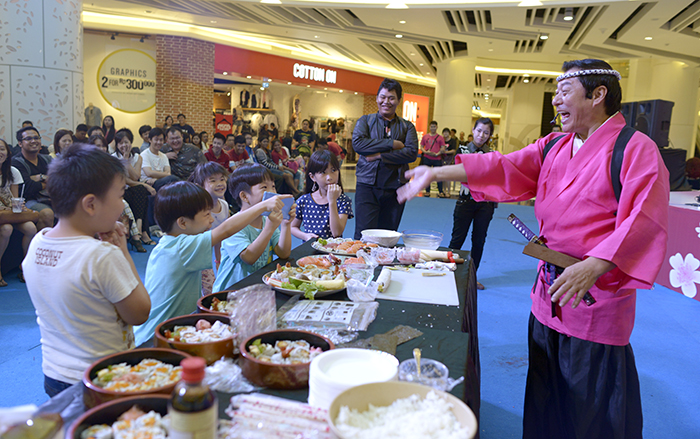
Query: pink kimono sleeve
{"points": [[638, 244]]}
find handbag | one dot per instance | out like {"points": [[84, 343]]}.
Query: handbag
{"points": [[9, 217]]}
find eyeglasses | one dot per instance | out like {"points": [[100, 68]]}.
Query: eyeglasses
{"points": [[30, 138]]}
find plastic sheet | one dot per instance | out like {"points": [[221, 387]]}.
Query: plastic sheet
{"points": [[326, 314], [225, 376], [252, 310], [359, 292]]}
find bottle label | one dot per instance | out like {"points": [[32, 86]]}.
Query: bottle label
{"points": [[198, 425]]}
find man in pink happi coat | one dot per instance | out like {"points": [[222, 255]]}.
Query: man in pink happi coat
{"points": [[582, 380]]}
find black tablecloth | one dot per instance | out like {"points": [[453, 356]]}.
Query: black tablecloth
{"points": [[450, 335]]}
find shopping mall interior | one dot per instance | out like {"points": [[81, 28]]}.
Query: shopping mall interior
{"points": [[231, 66]]}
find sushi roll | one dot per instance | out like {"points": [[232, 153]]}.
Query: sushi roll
{"points": [[101, 431]]}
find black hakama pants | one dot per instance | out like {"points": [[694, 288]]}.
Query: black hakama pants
{"points": [[577, 389]]}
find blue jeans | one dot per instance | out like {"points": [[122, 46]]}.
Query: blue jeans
{"points": [[53, 387]]}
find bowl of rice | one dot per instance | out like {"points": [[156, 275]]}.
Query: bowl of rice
{"points": [[280, 359], [143, 415], [396, 409], [214, 303], [138, 372], [201, 335]]}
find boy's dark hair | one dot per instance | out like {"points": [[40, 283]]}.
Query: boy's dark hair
{"points": [[239, 139], [93, 129], [80, 170], [182, 198], [178, 116], [22, 130], [81, 127], [446, 129], [613, 98], [433, 122], [318, 162], [176, 130], [31, 124], [205, 170], [155, 132], [144, 129], [246, 176], [484, 121], [217, 136], [391, 84], [124, 132], [57, 139]]}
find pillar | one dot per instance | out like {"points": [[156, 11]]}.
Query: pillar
{"points": [[524, 116], [454, 93], [185, 80], [41, 66], [675, 81]]}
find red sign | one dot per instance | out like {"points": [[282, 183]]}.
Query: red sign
{"points": [[224, 124], [262, 65], [415, 109]]}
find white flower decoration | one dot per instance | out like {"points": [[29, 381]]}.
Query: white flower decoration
{"points": [[684, 273], [697, 229]]}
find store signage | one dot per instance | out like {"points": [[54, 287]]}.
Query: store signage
{"points": [[127, 80], [224, 124], [415, 110], [318, 74]]}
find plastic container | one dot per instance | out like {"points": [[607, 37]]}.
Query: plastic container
{"points": [[422, 239], [384, 256], [432, 373]]}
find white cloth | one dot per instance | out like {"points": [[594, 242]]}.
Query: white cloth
{"points": [[256, 122], [155, 162], [5, 192], [73, 283], [221, 216], [271, 118], [16, 177]]}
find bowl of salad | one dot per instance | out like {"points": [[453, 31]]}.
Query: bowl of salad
{"points": [[280, 359], [310, 281], [201, 335]]}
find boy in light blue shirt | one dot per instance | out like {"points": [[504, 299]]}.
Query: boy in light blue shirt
{"points": [[256, 244], [174, 270]]}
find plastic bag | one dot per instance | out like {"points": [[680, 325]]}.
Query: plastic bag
{"points": [[226, 376], [359, 292], [327, 314], [252, 311]]}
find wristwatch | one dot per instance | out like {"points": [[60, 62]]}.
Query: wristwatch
{"points": [[42, 177]]}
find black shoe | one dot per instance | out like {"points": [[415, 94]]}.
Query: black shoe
{"points": [[136, 244], [20, 276]]}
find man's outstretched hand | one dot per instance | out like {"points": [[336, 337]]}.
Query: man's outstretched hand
{"points": [[419, 179]]}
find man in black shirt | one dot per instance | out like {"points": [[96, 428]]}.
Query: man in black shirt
{"points": [[34, 166], [182, 125], [304, 139]]}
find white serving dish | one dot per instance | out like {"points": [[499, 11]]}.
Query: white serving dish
{"points": [[383, 237], [422, 239]]}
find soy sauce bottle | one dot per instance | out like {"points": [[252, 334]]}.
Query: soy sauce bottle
{"points": [[193, 408]]}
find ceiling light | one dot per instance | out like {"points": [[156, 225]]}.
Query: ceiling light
{"points": [[289, 83], [325, 88], [248, 76], [315, 36], [568, 14], [340, 91], [271, 2], [262, 88], [402, 22], [527, 75], [395, 4], [427, 73], [528, 3], [228, 94], [355, 92], [212, 21], [413, 54], [225, 73], [544, 37], [421, 64], [489, 79], [490, 50], [308, 86], [647, 38], [526, 81], [399, 36]]}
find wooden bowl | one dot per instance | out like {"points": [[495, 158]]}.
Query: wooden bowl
{"points": [[385, 393], [280, 376], [210, 351], [204, 302], [94, 395], [109, 412]]}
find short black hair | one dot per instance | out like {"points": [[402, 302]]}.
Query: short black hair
{"points": [[21, 131], [93, 129], [144, 129], [57, 138], [31, 124], [245, 177], [175, 130], [233, 136], [124, 132], [446, 129], [80, 170], [97, 136], [318, 162], [613, 99], [305, 120], [239, 139], [155, 132], [81, 127], [178, 116], [433, 122], [484, 121], [182, 198], [219, 136], [205, 170], [391, 84]]}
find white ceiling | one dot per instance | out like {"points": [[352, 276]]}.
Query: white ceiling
{"points": [[362, 34]]}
